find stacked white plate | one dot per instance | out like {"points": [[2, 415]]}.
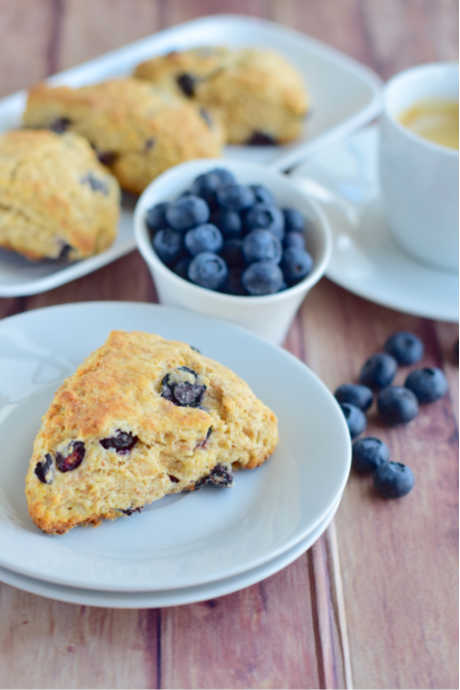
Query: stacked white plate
{"points": [[183, 548]]}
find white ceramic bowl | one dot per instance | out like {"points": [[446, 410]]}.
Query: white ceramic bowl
{"points": [[269, 316], [419, 178]]}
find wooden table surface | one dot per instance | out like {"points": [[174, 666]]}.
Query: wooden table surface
{"points": [[374, 603]]}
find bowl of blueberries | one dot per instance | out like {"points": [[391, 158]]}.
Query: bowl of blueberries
{"points": [[236, 241]]}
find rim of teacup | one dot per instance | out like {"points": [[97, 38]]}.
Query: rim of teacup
{"points": [[394, 81], [196, 167]]}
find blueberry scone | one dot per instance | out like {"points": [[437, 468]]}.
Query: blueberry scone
{"points": [[138, 131], [56, 199], [260, 96], [142, 417]]}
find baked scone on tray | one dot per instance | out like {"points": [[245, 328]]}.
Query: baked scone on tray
{"points": [[138, 131], [142, 417], [259, 95], [56, 200]]}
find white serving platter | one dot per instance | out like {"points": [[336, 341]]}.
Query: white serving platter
{"points": [[344, 95]]}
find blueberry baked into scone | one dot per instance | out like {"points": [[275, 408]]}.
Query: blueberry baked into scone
{"points": [[142, 417], [138, 131], [56, 200], [259, 95]]}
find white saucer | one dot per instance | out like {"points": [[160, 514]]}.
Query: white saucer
{"points": [[183, 540], [177, 597], [365, 258]]}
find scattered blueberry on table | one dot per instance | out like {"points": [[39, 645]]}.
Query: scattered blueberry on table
{"points": [[355, 394], [355, 419], [405, 347], [393, 479], [368, 454], [428, 384], [395, 405], [378, 371], [230, 237]]}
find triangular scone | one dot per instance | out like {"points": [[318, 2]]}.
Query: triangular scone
{"points": [[142, 417]]}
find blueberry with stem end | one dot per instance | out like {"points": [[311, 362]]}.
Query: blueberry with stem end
{"points": [[393, 480]]}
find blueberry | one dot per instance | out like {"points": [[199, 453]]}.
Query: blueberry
{"points": [[203, 238], [60, 125], [168, 244], [260, 138], [95, 183], [262, 278], [393, 479], [228, 222], [355, 419], [181, 267], [397, 405], [233, 284], [296, 264], [208, 270], [405, 347], [232, 252], [262, 194], [122, 442], [293, 220], [261, 245], [74, 457], [296, 240], [155, 217], [187, 212], [206, 117], [187, 83], [427, 384], [378, 371], [355, 394], [265, 217], [369, 453], [220, 476], [206, 184], [236, 197], [107, 157], [183, 387], [44, 470]]}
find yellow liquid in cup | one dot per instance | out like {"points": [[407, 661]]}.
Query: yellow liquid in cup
{"points": [[436, 121]]}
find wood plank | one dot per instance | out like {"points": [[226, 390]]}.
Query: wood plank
{"points": [[260, 637], [48, 644], [92, 28], [28, 31], [394, 610]]}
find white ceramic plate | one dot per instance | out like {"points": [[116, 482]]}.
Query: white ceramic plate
{"points": [[365, 258], [344, 95], [177, 597], [182, 540]]}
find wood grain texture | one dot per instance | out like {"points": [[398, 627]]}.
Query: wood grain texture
{"points": [[374, 602]]}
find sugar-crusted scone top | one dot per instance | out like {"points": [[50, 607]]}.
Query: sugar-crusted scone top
{"points": [[142, 417], [56, 199], [259, 95], [138, 131]]}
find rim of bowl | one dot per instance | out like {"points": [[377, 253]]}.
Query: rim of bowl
{"points": [[430, 145], [321, 225]]}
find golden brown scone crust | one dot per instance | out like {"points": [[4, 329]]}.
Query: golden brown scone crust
{"points": [[138, 131], [256, 92], [55, 197], [118, 388]]}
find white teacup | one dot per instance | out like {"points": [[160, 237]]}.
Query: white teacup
{"points": [[419, 179]]}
